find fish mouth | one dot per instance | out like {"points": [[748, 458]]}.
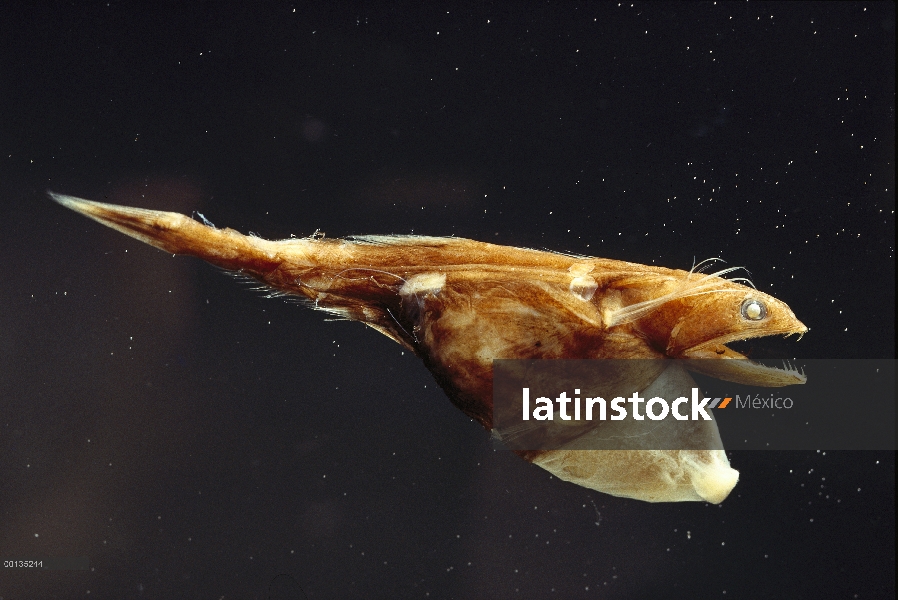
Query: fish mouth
{"points": [[715, 359]]}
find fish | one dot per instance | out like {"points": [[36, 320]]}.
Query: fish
{"points": [[459, 304]]}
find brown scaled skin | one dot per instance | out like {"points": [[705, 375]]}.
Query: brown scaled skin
{"points": [[459, 304]]}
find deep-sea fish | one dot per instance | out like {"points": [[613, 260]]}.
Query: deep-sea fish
{"points": [[459, 304]]}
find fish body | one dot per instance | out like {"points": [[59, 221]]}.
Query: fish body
{"points": [[459, 304]]}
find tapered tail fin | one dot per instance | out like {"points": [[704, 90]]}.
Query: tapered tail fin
{"points": [[179, 234]]}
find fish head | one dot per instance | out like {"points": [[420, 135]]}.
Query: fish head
{"points": [[697, 324]]}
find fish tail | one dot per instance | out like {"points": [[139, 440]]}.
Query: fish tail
{"points": [[179, 234], [329, 274]]}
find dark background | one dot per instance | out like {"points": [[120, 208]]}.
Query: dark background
{"points": [[195, 439]]}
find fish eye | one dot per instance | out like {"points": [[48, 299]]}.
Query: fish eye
{"points": [[753, 310]]}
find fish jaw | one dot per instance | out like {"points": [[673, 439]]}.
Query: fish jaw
{"points": [[720, 362]]}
